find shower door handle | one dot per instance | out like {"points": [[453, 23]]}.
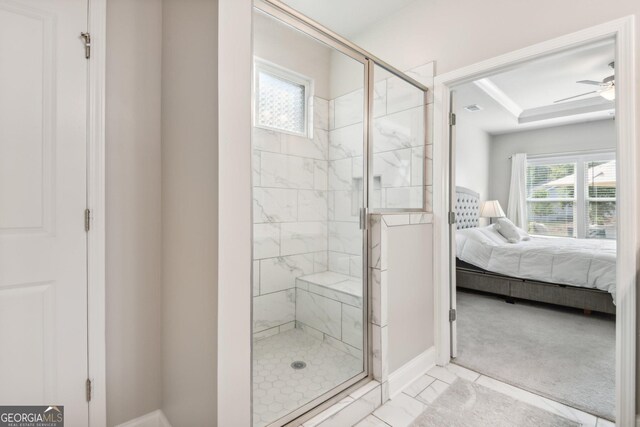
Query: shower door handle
{"points": [[363, 218]]}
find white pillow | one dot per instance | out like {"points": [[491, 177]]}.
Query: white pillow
{"points": [[492, 233], [523, 234], [508, 230]]}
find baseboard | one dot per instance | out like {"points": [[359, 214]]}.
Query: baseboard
{"points": [[413, 369], [152, 419]]}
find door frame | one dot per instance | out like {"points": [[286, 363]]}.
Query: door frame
{"points": [[96, 188], [623, 31]]}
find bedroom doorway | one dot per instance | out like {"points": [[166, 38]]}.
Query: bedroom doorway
{"points": [[532, 292], [534, 167]]}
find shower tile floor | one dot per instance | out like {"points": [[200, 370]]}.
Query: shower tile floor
{"points": [[279, 389]]}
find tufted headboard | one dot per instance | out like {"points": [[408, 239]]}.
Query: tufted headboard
{"points": [[467, 208]]}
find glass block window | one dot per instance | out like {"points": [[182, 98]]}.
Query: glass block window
{"points": [[281, 99]]}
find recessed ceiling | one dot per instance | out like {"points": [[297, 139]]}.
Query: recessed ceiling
{"points": [[347, 17], [523, 97], [542, 82]]}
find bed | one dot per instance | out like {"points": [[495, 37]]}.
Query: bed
{"points": [[578, 273]]}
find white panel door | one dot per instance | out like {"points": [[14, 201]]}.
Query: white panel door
{"points": [[43, 244]]}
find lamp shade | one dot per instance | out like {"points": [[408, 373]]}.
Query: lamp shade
{"points": [[491, 209]]}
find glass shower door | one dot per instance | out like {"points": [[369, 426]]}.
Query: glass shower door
{"points": [[309, 189]]}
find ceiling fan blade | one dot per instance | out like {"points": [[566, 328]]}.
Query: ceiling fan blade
{"points": [[575, 96], [589, 82]]}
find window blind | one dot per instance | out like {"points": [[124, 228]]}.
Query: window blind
{"points": [[551, 199], [572, 196], [600, 194]]}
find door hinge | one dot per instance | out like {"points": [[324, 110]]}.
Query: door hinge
{"points": [[88, 389], [452, 315], [87, 219], [363, 218], [452, 119], [452, 218], [87, 44]]}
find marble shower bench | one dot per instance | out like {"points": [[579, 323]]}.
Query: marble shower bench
{"points": [[329, 307]]}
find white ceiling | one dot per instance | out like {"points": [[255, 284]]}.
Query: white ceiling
{"points": [[523, 97], [347, 17]]}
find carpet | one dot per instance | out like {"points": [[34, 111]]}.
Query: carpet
{"points": [[551, 351], [466, 404]]}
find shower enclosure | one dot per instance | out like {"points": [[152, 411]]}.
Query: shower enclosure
{"points": [[336, 133]]}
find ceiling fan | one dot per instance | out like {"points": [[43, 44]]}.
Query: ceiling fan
{"points": [[607, 87]]}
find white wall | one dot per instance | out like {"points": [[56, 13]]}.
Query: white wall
{"points": [[472, 159], [133, 227], [234, 218], [465, 32], [598, 135], [289, 48], [189, 211], [410, 292]]}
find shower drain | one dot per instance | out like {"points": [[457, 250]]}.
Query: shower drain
{"points": [[298, 364]]}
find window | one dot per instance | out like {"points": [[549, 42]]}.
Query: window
{"points": [[551, 198], [572, 196], [600, 185], [282, 99]]}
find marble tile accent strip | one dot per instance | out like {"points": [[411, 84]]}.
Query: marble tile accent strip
{"points": [[275, 205], [379, 353], [266, 240], [319, 312], [402, 95], [356, 410], [352, 327], [378, 243], [400, 411], [285, 171], [419, 385], [349, 109], [273, 309], [379, 301], [432, 392], [280, 273], [320, 113], [372, 421], [302, 237]]}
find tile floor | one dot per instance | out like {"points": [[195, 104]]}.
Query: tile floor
{"points": [[404, 408], [278, 388]]}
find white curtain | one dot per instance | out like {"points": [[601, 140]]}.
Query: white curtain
{"points": [[517, 209]]}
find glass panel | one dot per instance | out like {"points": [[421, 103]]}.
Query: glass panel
{"points": [[398, 143], [281, 103], [601, 185], [551, 205], [309, 300], [551, 218]]}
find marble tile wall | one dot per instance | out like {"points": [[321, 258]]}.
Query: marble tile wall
{"points": [[329, 306], [378, 277], [398, 161], [346, 148], [308, 191], [399, 151], [290, 215], [398, 139]]}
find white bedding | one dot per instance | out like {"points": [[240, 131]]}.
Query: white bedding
{"points": [[588, 263]]}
